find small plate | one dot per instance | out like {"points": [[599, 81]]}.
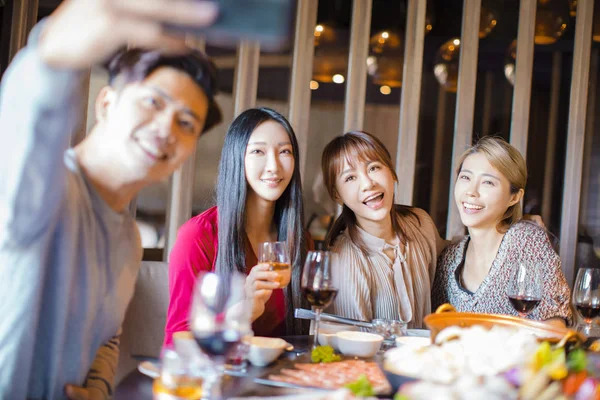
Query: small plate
{"points": [[415, 341], [426, 333], [149, 368]]}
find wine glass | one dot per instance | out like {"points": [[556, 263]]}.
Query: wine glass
{"points": [[317, 284], [525, 287], [277, 256], [597, 246], [219, 320], [586, 296]]}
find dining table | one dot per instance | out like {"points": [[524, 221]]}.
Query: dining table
{"points": [[137, 386]]}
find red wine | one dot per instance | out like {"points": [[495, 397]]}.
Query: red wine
{"points": [[588, 311], [524, 304], [320, 298], [218, 343]]}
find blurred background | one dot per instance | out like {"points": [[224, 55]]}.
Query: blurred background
{"points": [[546, 127]]}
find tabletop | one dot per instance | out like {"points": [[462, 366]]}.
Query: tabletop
{"points": [[137, 386]]}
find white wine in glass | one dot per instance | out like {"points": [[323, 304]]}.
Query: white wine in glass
{"points": [[277, 256]]}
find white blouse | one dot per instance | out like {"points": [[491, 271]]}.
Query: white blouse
{"points": [[374, 286]]}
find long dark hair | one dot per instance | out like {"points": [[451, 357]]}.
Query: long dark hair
{"points": [[357, 146], [232, 191]]}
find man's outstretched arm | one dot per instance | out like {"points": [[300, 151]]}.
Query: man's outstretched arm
{"points": [[38, 111]]}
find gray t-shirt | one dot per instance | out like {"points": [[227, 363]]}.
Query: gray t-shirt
{"points": [[68, 262]]}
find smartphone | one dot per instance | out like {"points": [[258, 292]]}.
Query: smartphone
{"points": [[270, 22]]}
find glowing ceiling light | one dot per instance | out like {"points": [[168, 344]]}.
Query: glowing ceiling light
{"points": [[385, 89], [338, 78]]}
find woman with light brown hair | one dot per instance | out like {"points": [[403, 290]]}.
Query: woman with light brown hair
{"points": [[473, 274], [386, 253]]}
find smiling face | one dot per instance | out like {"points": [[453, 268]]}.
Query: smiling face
{"points": [[153, 125], [269, 161], [367, 188], [482, 193]]}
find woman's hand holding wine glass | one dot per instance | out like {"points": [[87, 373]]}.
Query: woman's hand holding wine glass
{"points": [[272, 272], [259, 286]]}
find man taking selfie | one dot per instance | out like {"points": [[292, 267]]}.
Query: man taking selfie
{"points": [[69, 251]]}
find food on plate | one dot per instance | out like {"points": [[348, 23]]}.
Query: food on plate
{"points": [[333, 375], [464, 388], [556, 373], [543, 372], [361, 387], [474, 351], [324, 354]]}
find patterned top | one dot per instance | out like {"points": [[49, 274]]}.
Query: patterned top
{"points": [[374, 286], [524, 241]]}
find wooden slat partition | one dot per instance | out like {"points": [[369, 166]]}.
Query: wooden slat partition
{"points": [[246, 76], [408, 131], [465, 102], [356, 82], [519, 127], [302, 67], [576, 137], [24, 18]]}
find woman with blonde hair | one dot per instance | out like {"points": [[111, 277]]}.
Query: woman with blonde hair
{"points": [[473, 274], [386, 253]]}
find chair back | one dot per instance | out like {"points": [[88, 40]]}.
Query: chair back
{"points": [[144, 324]]}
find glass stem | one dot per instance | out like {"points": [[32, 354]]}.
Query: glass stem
{"points": [[317, 320], [213, 383]]}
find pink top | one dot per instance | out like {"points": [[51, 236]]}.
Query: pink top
{"points": [[195, 250]]}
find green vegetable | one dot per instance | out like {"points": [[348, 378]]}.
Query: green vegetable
{"points": [[576, 360], [361, 387], [324, 354], [399, 396]]}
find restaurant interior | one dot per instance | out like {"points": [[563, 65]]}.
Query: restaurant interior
{"points": [[427, 78]]}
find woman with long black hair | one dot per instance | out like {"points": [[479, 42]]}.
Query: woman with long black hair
{"points": [[259, 199]]}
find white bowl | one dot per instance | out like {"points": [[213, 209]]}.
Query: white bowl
{"points": [[359, 344], [329, 339], [264, 350], [328, 331]]}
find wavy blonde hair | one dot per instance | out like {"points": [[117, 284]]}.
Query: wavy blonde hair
{"points": [[510, 163]]}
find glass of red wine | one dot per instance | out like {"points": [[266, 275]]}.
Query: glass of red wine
{"points": [[525, 287], [317, 284], [586, 297], [219, 320]]}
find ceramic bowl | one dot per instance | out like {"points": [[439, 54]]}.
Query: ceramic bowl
{"points": [[264, 350], [359, 344], [328, 331]]}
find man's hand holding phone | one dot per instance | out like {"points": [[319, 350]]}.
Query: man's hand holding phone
{"points": [[81, 33]]}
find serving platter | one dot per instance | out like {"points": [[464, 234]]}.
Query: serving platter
{"points": [[293, 366], [446, 315]]}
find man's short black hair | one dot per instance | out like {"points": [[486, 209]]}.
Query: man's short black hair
{"points": [[134, 65]]}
